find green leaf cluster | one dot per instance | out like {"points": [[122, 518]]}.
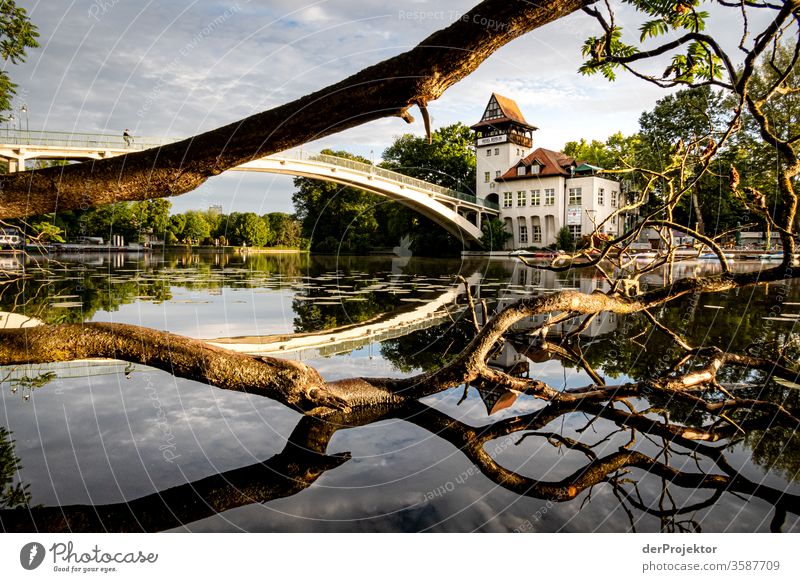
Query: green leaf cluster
{"points": [[12, 494], [339, 219], [698, 63], [17, 34]]}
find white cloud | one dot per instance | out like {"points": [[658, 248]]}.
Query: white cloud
{"points": [[168, 69]]}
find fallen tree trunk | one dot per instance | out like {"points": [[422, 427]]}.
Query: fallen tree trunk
{"points": [[301, 387]]}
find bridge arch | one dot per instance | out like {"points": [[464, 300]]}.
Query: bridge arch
{"points": [[434, 202], [458, 213]]}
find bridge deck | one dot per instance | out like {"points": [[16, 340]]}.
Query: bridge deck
{"points": [[450, 208]]}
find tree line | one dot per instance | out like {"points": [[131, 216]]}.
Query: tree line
{"points": [[341, 219], [683, 129], [150, 220]]}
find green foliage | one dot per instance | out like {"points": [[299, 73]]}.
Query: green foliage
{"points": [[249, 229], [668, 134], [698, 63], [687, 115], [129, 219], [617, 152], [17, 34], [669, 15], [285, 230], [47, 232], [195, 227], [599, 49], [11, 494], [758, 161], [177, 222], [495, 234], [337, 219], [564, 240], [109, 220], [449, 160], [151, 216]]}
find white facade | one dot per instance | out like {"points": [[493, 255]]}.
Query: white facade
{"points": [[535, 209], [493, 160], [538, 191]]}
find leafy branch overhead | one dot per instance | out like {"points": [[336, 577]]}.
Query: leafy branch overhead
{"points": [[17, 34], [700, 61]]}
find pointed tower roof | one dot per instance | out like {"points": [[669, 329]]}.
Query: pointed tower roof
{"points": [[496, 399], [502, 110]]}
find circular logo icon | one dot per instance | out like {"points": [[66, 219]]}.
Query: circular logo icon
{"points": [[31, 555]]}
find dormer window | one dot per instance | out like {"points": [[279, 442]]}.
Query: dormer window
{"points": [[520, 170], [535, 168]]}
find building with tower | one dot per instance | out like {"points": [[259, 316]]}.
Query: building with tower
{"points": [[538, 190]]}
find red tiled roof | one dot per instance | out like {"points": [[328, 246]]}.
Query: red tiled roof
{"points": [[553, 164], [510, 112]]}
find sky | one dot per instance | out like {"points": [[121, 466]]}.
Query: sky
{"points": [[172, 68]]}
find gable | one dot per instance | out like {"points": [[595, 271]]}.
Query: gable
{"points": [[492, 110]]}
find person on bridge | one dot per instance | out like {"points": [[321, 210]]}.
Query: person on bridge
{"points": [[127, 137]]}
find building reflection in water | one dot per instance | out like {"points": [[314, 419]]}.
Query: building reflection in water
{"points": [[526, 282]]}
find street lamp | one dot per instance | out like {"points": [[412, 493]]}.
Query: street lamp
{"points": [[24, 109]]}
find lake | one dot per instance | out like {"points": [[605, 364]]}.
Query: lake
{"points": [[119, 447]]}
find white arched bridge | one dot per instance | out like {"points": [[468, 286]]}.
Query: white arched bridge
{"points": [[459, 213]]}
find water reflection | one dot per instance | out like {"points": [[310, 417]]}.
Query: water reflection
{"points": [[107, 447], [655, 473]]}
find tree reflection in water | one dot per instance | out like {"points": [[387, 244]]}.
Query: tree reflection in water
{"points": [[668, 423], [687, 460]]}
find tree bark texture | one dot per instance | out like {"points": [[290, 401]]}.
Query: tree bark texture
{"points": [[389, 88]]}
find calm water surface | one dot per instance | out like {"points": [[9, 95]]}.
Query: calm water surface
{"points": [[142, 449]]}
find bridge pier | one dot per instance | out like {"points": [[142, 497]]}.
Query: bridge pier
{"points": [[16, 165]]}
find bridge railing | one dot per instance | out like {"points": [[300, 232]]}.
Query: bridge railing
{"points": [[78, 140], [98, 140], [388, 174]]}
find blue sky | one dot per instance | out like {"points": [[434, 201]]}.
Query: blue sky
{"points": [[176, 68]]}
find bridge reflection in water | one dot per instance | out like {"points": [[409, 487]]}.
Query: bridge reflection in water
{"points": [[470, 458]]}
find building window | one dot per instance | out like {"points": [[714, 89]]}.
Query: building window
{"points": [[536, 234], [523, 233], [536, 198], [601, 197], [521, 171], [497, 151], [549, 196], [489, 152], [497, 173], [508, 199], [575, 197], [521, 198], [535, 169], [492, 110], [613, 199], [487, 177], [575, 231]]}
